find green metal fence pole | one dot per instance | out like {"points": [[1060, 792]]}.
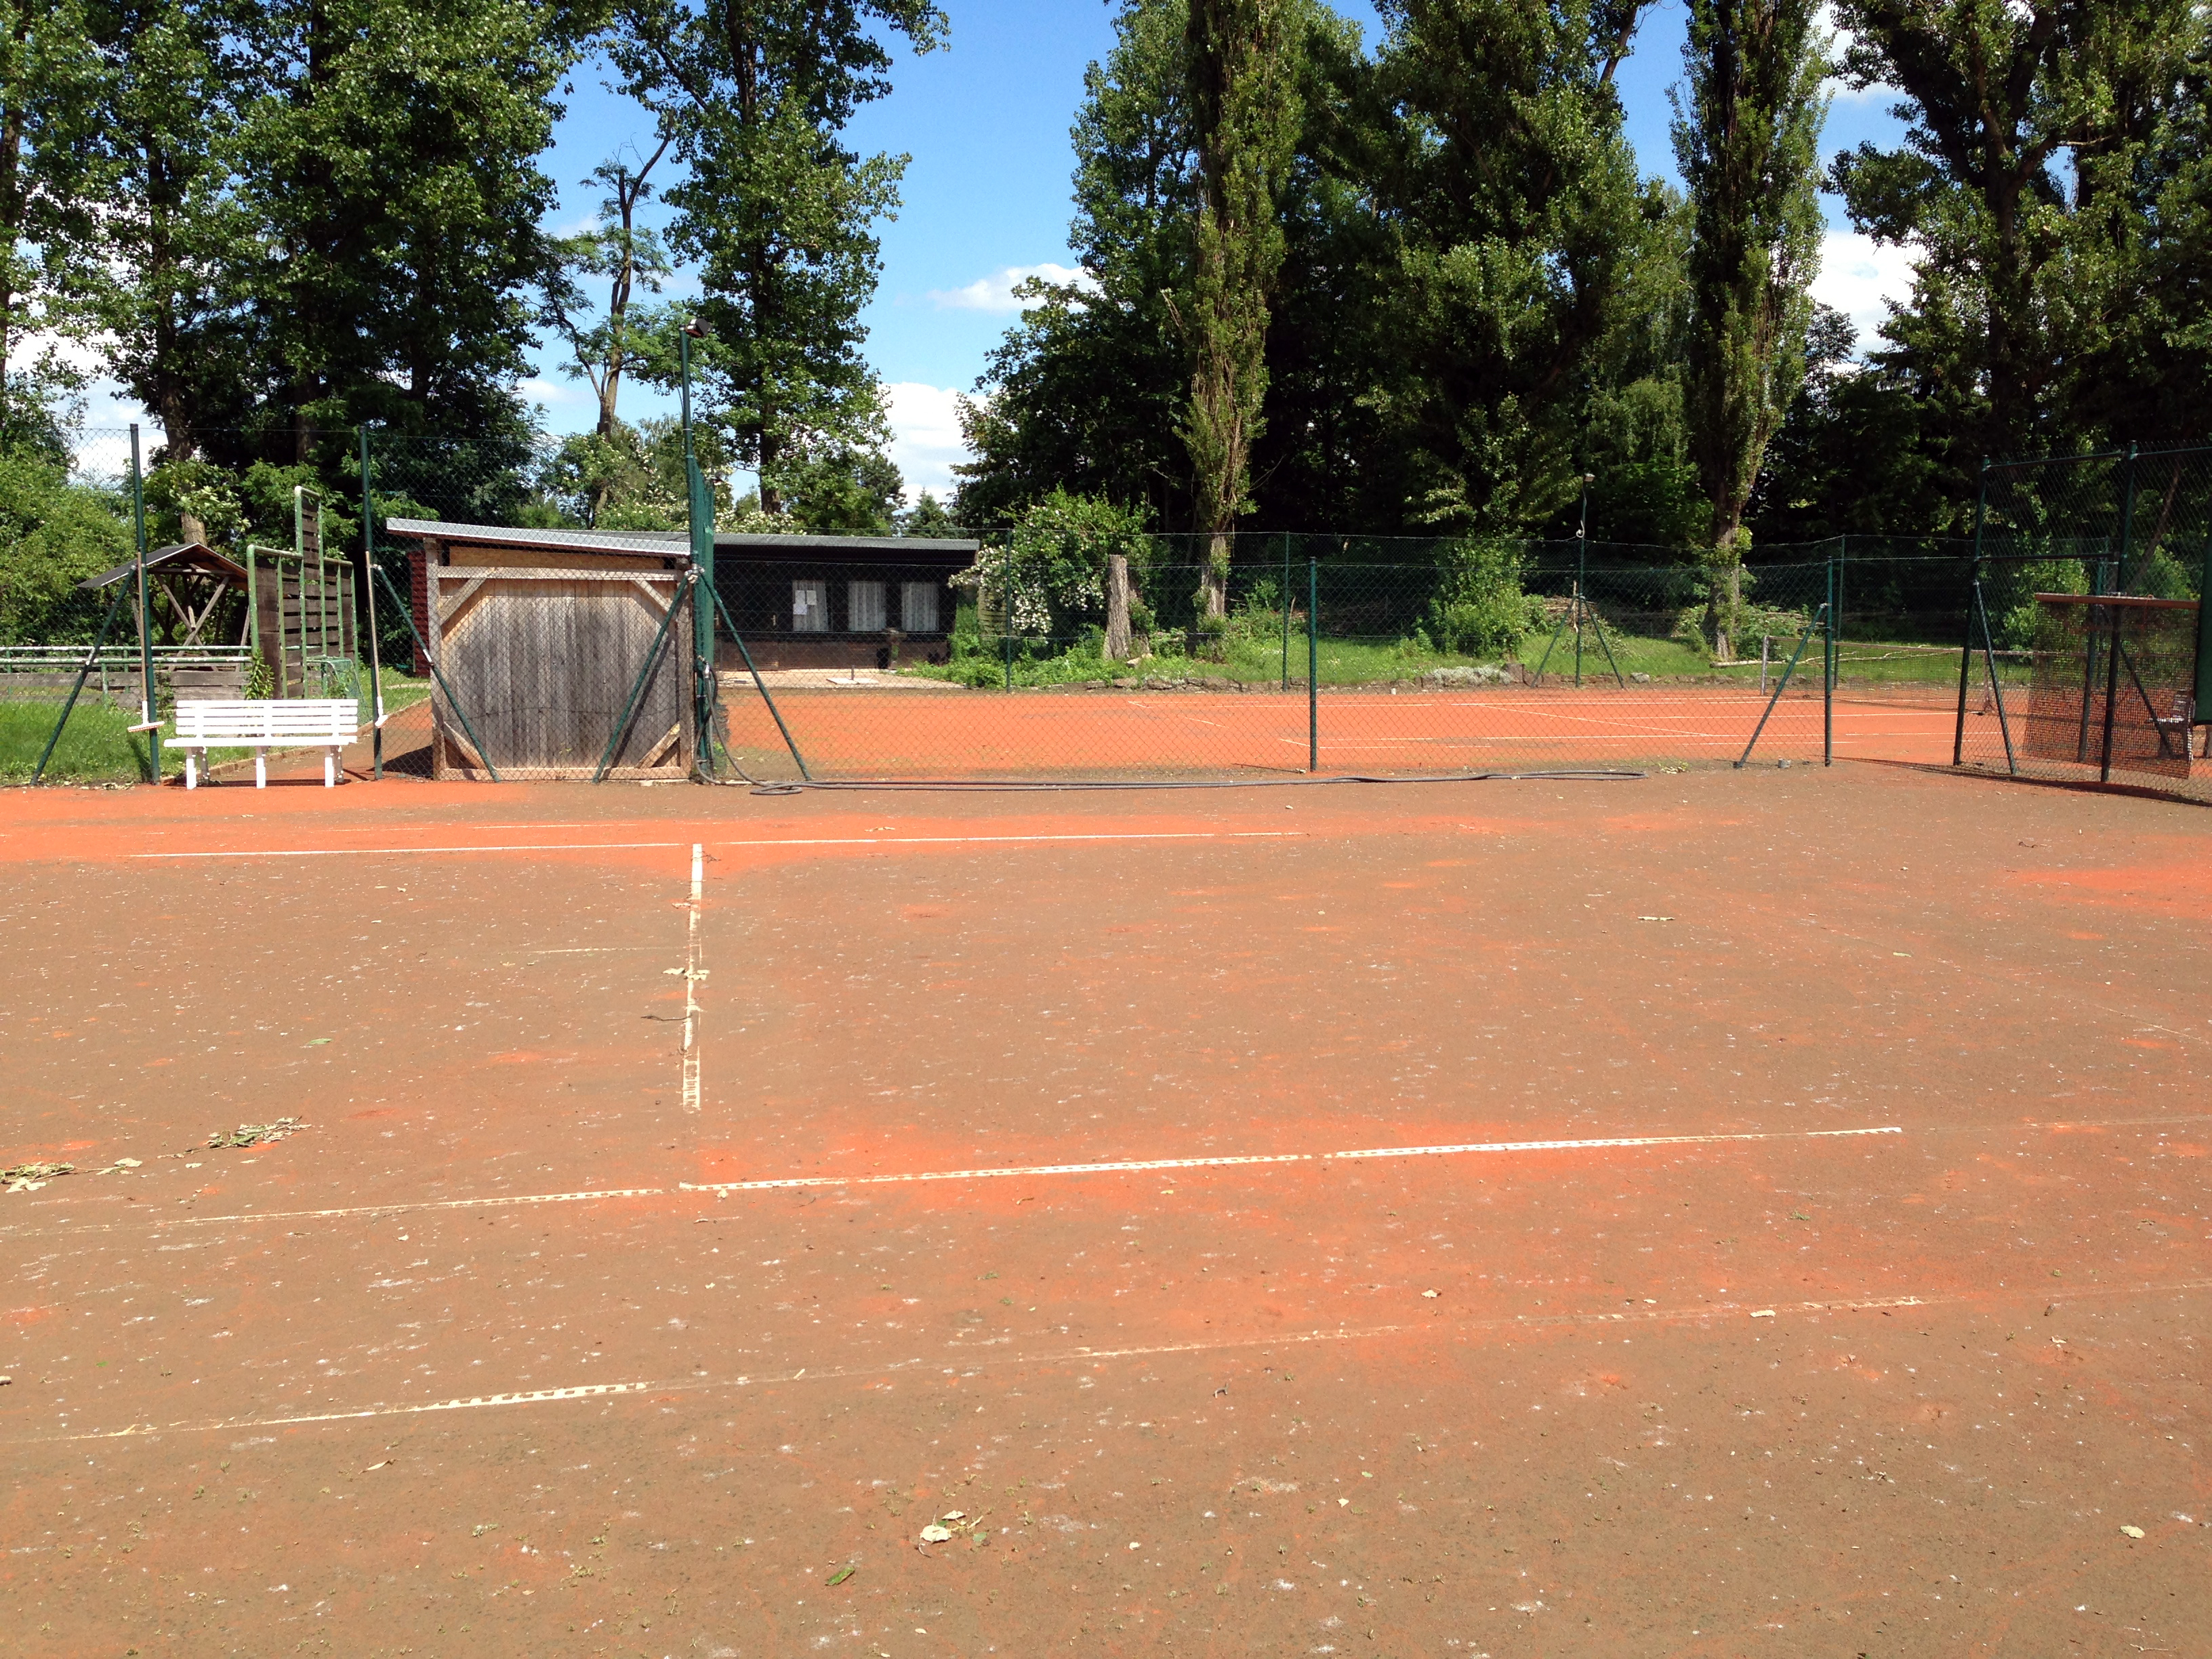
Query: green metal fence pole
{"points": [[705, 690], [438, 675], [790, 743], [1582, 587], [2112, 665], [1313, 664], [99, 644], [1996, 685], [1828, 668], [1973, 594], [1287, 611], [368, 594], [145, 614], [2201, 709]]}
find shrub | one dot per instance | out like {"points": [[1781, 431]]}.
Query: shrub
{"points": [[1049, 580], [1479, 609]]}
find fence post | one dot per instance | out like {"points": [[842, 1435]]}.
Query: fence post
{"points": [[2112, 656], [1828, 660], [1287, 611], [1313, 664], [145, 616], [368, 594], [1971, 609]]}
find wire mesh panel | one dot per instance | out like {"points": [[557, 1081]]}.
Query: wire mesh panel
{"points": [[560, 673], [1477, 658], [2114, 687], [2082, 614]]}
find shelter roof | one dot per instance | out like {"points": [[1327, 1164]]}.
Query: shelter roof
{"points": [[180, 559]]}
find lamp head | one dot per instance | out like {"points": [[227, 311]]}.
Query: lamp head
{"points": [[696, 329], [1589, 477]]}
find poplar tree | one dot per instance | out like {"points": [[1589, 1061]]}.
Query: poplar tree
{"points": [[774, 210], [1746, 136], [1244, 124]]}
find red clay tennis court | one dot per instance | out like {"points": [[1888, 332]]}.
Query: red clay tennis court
{"points": [[884, 733], [1720, 1212]]}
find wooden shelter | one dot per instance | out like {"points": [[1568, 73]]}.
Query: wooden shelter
{"points": [[188, 586], [558, 650]]}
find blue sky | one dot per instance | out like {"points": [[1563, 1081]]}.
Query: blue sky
{"points": [[986, 121]]}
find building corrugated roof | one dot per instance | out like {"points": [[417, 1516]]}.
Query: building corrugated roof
{"points": [[665, 542], [674, 543]]}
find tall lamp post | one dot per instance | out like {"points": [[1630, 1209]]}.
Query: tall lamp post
{"points": [[699, 519]]}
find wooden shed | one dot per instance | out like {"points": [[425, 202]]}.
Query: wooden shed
{"points": [[542, 637]]}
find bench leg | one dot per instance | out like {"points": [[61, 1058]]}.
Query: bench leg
{"points": [[329, 769], [191, 777], [261, 769]]}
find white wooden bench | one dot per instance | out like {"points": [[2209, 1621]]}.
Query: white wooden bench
{"points": [[266, 723]]}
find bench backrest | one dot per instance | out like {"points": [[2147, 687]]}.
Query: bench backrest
{"points": [[213, 720]]}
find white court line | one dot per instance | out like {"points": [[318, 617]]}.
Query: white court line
{"points": [[691, 985], [971, 1364], [1140, 1165], [1135, 1166], [813, 840]]}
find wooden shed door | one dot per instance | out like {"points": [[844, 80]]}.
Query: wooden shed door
{"points": [[542, 663]]}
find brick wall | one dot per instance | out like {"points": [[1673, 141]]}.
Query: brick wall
{"points": [[418, 597]]}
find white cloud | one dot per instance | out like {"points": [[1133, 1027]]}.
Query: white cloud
{"points": [[926, 441], [996, 292], [1841, 41], [1859, 277], [553, 392]]}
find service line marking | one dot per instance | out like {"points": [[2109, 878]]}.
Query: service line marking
{"points": [[1132, 1166], [1138, 1165], [969, 1365], [802, 841]]}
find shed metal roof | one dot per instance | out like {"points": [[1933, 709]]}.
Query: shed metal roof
{"points": [[674, 544], [665, 542]]}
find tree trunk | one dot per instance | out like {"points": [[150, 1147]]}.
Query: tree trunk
{"points": [[1117, 607]]}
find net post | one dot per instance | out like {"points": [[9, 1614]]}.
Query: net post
{"points": [[1313, 664], [1973, 599], [368, 596]]}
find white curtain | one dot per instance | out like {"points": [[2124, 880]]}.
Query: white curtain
{"points": [[918, 607]]}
